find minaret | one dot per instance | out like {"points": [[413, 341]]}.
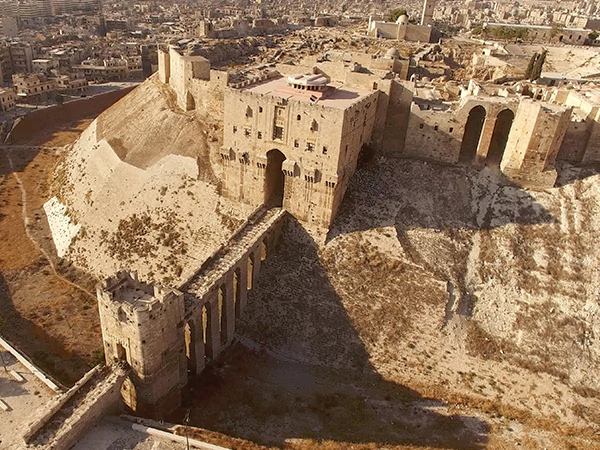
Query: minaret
{"points": [[427, 17]]}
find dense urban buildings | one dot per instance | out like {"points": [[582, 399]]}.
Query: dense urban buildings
{"points": [[317, 225]]}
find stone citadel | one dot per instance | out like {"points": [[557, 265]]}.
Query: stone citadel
{"points": [[292, 136]]}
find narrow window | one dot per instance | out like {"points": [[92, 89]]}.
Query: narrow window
{"points": [[259, 135], [298, 117], [421, 125], [324, 150], [296, 143], [235, 129], [435, 128]]}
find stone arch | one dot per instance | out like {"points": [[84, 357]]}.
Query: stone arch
{"points": [[274, 178], [264, 249], [250, 272], [504, 121], [129, 394], [237, 295], [189, 333], [222, 298], [207, 332], [190, 102], [472, 134]]}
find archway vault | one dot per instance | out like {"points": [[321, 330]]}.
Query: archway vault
{"points": [[502, 127], [274, 178], [472, 134]]}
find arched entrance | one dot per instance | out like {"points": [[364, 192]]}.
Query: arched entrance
{"points": [[500, 134], [274, 178], [222, 298], [470, 140], [190, 103]]}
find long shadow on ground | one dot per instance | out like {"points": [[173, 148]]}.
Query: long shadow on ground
{"points": [[301, 371]]}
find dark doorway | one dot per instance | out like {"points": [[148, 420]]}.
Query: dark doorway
{"points": [[274, 179], [237, 276], [121, 352], [207, 332], [223, 313], [500, 137], [470, 141]]}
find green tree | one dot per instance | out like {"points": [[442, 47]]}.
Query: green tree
{"points": [[555, 29], [530, 66], [536, 72], [395, 13]]}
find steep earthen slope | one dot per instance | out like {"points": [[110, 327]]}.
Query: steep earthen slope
{"points": [[140, 183]]}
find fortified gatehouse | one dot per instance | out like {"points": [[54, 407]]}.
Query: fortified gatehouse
{"points": [[291, 144], [167, 335], [294, 142]]}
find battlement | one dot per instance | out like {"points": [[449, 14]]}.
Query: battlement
{"points": [[135, 297]]}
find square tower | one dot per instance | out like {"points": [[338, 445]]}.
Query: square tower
{"points": [[142, 325], [294, 142]]}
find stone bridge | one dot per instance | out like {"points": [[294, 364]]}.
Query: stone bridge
{"points": [[168, 335]]}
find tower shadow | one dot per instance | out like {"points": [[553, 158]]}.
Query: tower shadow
{"points": [[300, 370]]}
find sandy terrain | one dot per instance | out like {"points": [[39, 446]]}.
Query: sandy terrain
{"points": [[48, 307], [446, 310], [21, 397], [147, 198]]}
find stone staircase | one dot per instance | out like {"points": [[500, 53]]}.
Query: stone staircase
{"points": [[229, 255]]}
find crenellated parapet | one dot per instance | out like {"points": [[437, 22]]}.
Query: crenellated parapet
{"points": [[141, 323]]}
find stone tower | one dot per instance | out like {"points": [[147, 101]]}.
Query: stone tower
{"points": [[533, 144], [427, 16], [142, 324]]}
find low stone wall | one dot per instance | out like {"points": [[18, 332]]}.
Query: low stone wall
{"points": [[55, 405], [103, 397]]}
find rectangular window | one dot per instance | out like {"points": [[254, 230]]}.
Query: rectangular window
{"points": [[296, 143], [324, 150], [278, 133], [310, 146], [235, 129], [259, 135]]}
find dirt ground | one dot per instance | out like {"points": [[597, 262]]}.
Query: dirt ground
{"points": [[446, 310], [49, 309]]}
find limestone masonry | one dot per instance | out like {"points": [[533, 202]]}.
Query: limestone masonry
{"points": [[292, 137]]}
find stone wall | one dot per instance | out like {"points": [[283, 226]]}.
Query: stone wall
{"points": [[142, 324], [533, 144], [79, 409], [196, 85], [321, 146]]}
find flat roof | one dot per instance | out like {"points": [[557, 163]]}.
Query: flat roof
{"points": [[339, 96], [537, 27]]}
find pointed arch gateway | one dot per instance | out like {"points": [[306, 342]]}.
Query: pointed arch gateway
{"points": [[499, 139], [472, 135], [274, 178]]}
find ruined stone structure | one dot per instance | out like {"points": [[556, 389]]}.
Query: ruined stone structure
{"points": [[166, 334], [510, 133], [403, 30], [291, 143], [295, 141]]}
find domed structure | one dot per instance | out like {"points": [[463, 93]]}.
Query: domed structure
{"points": [[402, 20], [392, 53]]}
